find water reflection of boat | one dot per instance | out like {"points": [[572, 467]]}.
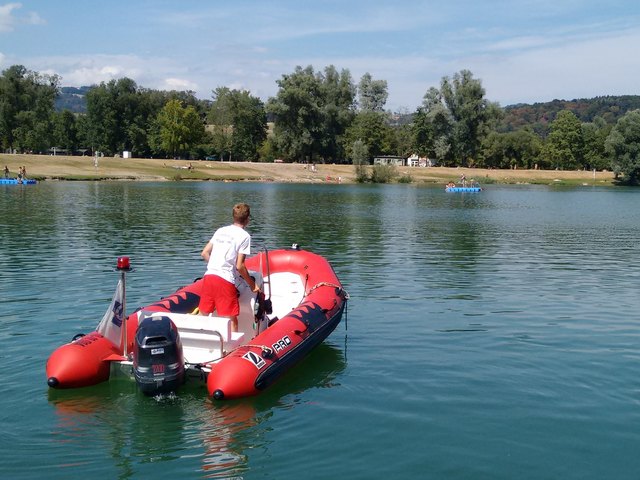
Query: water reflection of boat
{"points": [[235, 429], [163, 343], [139, 429]]}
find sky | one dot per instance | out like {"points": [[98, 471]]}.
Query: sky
{"points": [[523, 51]]}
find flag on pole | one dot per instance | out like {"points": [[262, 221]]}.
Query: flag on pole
{"points": [[111, 324]]}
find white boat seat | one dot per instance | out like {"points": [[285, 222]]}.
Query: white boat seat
{"points": [[286, 292], [204, 338], [208, 338]]}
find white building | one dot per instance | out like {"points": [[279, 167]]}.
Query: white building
{"points": [[389, 160], [416, 161]]}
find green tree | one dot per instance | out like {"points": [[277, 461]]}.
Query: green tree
{"points": [[623, 145], [311, 113], [296, 107], [249, 126], [519, 149], [239, 124], [595, 135], [220, 119], [383, 173], [372, 94], [337, 110], [433, 129], [403, 140], [26, 108], [373, 129], [179, 128], [472, 115], [65, 132], [268, 151], [121, 115], [565, 146], [82, 129], [107, 116], [360, 158], [32, 133]]}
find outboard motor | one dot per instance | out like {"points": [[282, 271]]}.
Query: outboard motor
{"points": [[158, 362]]}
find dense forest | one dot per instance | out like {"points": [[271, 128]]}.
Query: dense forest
{"points": [[540, 115], [319, 116]]}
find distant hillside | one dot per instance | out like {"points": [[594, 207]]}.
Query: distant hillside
{"points": [[539, 115], [72, 98]]}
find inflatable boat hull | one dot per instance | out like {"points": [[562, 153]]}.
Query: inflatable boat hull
{"points": [[249, 367]]}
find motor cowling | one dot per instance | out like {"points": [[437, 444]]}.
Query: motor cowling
{"points": [[158, 361]]}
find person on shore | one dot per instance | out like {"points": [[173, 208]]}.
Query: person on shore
{"points": [[225, 254], [6, 171]]}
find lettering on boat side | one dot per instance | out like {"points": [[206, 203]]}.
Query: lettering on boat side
{"points": [[281, 344], [256, 359]]}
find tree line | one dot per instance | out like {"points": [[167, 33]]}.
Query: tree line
{"points": [[315, 116], [538, 116]]}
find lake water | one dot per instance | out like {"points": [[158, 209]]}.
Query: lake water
{"points": [[488, 336]]}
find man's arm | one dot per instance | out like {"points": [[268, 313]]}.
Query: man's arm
{"points": [[242, 269], [206, 251]]}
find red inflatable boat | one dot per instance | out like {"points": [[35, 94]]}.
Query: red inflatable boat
{"points": [[165, 343]]}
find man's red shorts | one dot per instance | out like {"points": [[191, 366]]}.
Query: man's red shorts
{"points": [[219, 295]]}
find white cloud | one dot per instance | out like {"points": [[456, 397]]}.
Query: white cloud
{"points": [[566, 61], [92, 69], [516, 63], [266, 22], [518, 43], [9, 21], [89, 74], [178, 84], [581, 69], [33, 18], [149, 72]]}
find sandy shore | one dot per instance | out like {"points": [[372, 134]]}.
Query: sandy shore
{"points": [[47, 167]]}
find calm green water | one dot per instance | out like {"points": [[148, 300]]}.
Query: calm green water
{"points": [[489, 336]]}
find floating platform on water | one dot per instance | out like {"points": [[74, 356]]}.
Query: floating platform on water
{"points": [[463, 189], [15, 181]]}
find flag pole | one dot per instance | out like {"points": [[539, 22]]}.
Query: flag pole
{"points": [[124, 266]]}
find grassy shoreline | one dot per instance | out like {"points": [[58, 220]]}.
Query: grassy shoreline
{"points": [[59, 167]]}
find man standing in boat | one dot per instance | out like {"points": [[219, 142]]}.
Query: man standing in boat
{"points": [[225, 254]]}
